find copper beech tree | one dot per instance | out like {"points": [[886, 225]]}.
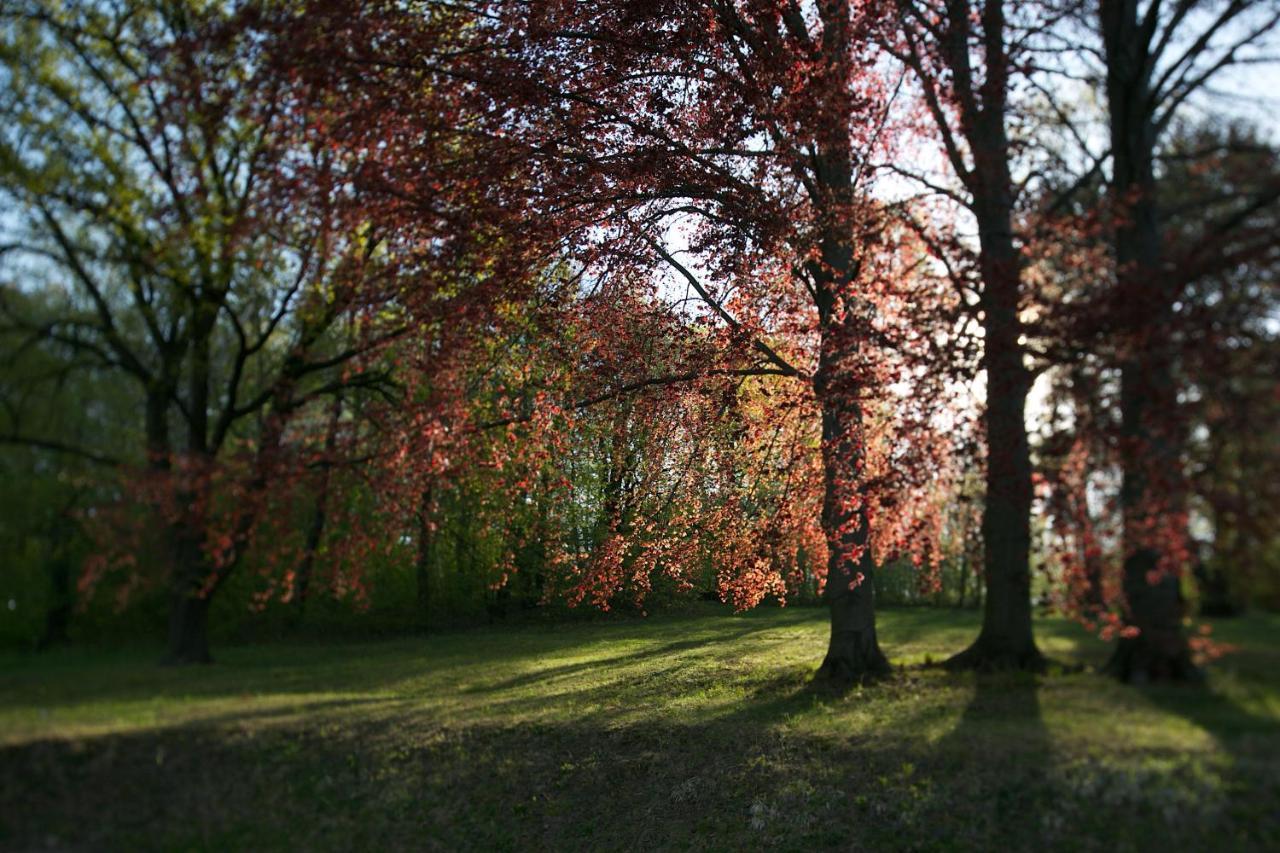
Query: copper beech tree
{"points": [[968, 60], [1219, 198], [1157, 59], [965, 61], [699, 167], [1181, 226]]}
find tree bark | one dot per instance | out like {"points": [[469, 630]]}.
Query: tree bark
{"points": [[315, 534], [853, 652], [58, 616], [189, 602], [1006, 639], [1159, 652]]}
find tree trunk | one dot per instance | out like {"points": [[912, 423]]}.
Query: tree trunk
{"points": [[853, 652], [1006, 640], [1094, 601], [188, 629], [319, 517], [1216, 596], [315, 533], [189, 605], [1147, 386], [58, 616], [1154, 606], [425, 557], [1159, 651]]}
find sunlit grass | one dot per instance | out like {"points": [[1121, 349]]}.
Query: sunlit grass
{"points": [[695, 730]]}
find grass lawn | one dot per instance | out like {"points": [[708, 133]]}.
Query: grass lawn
{"points": [[695, 731]]}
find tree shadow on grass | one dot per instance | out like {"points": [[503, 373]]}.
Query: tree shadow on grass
{"points": [[633, 658], [759, 774], [1252, 744], [1001, 748], [759, 759], [403, 780], [84, 678]]}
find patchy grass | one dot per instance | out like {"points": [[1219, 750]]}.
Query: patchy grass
{"points": [[671, 732]]}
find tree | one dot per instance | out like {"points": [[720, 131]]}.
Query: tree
{"points": [[715, 149], [966, 58], [1156, 58], [148, 164]]}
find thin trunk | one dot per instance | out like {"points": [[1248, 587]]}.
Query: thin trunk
{"points": [[1147, 385], [315, 534], [426, 555], [534, 553], [191, 572], [1093, 602], [319, 517]]}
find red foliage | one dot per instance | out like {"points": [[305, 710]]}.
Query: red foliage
{"points": [[673, 199]]}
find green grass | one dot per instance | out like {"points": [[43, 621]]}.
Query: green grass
{"points": [[696, 731]]}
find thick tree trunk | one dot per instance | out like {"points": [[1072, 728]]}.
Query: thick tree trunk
{"points": [[1159, 651], [853, 653], [1153, 599], [189, 599], [189, 604], [1147, 393], [1006, 640]]}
